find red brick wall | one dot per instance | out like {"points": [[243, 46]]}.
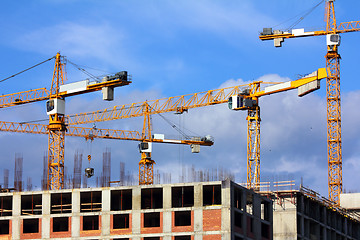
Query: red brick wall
{"points": [[212, 220], [212, 237]]}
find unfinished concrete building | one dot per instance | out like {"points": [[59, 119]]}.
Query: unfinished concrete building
{"points": [[219, 210], [304, 214]]}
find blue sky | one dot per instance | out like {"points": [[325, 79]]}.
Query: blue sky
{"points": [[173, 48]]}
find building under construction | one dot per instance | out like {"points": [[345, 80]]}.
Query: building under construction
{"points": [[187, 211], [200, 207], [304, 214]]}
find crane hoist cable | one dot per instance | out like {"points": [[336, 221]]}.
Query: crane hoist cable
{"points": [[2, 80], [173, 125], [90, 75], [302, 17]]}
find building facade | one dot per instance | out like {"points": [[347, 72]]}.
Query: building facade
{"points": [[220, 210], [304, 215]]}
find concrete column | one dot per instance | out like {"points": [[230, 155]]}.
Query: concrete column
{"points": [[198, 220], [75, 219], [45, 218], [198, 236], [167, 223], [167, 210], [105, 214], [166, 197], [16, 221], [226, 210], [136, 214], [198, 195]]}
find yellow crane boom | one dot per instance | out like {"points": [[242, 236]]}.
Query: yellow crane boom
{"points": [[91, 133], [66, 90], [344, 27], [248, 93]]}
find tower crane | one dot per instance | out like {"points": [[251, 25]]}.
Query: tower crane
{"points": [[242, 97], [55, 107], [332, 33], [92, 133], [57, 129]]}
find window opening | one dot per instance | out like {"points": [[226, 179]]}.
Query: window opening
{"points": [[237, 199], [4, 227], [182, 196], [211, 195], [151, 198], [60, 203], [121, 200], [90, 201], [183, 218], [249, 203], [5, 206], [238, 238], [31, 225], [90, 223], [152, 219], [60, 224], [238, 219], [265, 210], [265, 230], [31, 204], [120, 221]]}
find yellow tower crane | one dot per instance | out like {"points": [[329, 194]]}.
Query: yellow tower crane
{"points": [[55, 107], [242, 97], [331, 32], [57, 129]]}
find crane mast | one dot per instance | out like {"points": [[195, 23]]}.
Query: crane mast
{"points": [[57, 128], [253, 148], [146, 164], [333, 109]]}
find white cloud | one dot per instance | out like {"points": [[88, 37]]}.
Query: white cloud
{"points": [[74, 39]]}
